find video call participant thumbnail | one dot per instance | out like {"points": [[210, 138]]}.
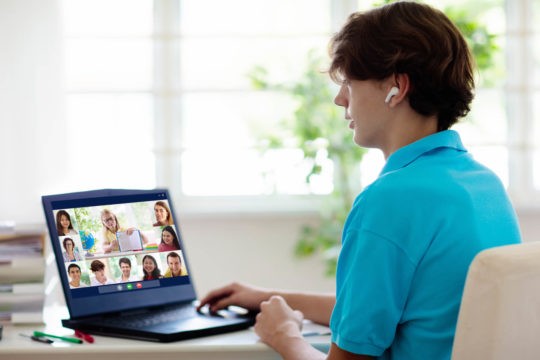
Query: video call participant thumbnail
{"points": [[162, 213], [150, 268], [71, 252], [98, 268], [169, 240], [174, 263], [125, 266], [74, 272], [63, 224]]}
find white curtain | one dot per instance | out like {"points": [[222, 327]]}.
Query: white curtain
{"points": [[32, 119]]}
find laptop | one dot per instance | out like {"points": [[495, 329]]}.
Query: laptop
{"points": [[124, 268]]}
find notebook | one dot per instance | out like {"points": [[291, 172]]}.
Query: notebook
{"points": [[124, 269], [129, 241]]}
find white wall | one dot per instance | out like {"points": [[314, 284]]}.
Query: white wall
{"points": [[529, 221], [254, 249], [32, 121]]}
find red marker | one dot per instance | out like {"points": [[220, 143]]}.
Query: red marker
{"points": [[86, 337]]}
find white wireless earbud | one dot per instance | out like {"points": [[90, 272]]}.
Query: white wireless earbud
{"points": [[393, 92]]}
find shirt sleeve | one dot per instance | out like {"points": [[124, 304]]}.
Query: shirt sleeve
{"points": [[373, 280]]}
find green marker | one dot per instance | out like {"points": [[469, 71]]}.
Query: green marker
{"points": [[63, 338]]}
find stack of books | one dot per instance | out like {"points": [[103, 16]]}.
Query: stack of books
{"points": [[22, 268]]}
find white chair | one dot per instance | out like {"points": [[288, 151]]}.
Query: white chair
{"points": [[499, 316]]}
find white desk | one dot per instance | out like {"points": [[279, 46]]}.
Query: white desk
{"points": [[237, 345]]}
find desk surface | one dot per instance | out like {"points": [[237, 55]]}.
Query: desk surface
{"points": [[237, 345]]}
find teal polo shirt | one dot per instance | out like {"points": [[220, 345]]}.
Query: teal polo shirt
{"points": [[407, 244]]}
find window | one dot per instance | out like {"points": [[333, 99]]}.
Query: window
{"points": [[212, 99], [502, 128], [523, 99], [180, 71], [110, 100], [158, 95]]}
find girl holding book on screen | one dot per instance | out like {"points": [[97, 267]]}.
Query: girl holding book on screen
{"points": [[110, 227]]}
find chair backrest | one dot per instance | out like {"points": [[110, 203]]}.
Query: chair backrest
{"points": [[499, 316]]}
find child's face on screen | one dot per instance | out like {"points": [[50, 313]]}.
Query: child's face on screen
{"points": [[126, 269], [167, 237], [148, 265], [109, 221], [64, 221], [75, 274], [100, 276]]}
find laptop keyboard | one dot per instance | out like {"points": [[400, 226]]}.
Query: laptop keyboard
{"points": [[152, 318]]}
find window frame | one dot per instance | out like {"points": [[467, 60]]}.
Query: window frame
{"points": [[168, 121], [520, 114], [519, 93]]}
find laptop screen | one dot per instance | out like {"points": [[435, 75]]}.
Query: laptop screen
{"points": [[117, 250]]}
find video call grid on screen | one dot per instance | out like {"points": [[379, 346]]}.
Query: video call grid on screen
{"points": [[97, 265]]}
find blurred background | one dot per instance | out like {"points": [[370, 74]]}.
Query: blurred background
{"points": [[226, 103]]}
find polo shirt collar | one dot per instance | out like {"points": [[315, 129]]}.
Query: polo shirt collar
{"points": [[409, 153]]}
